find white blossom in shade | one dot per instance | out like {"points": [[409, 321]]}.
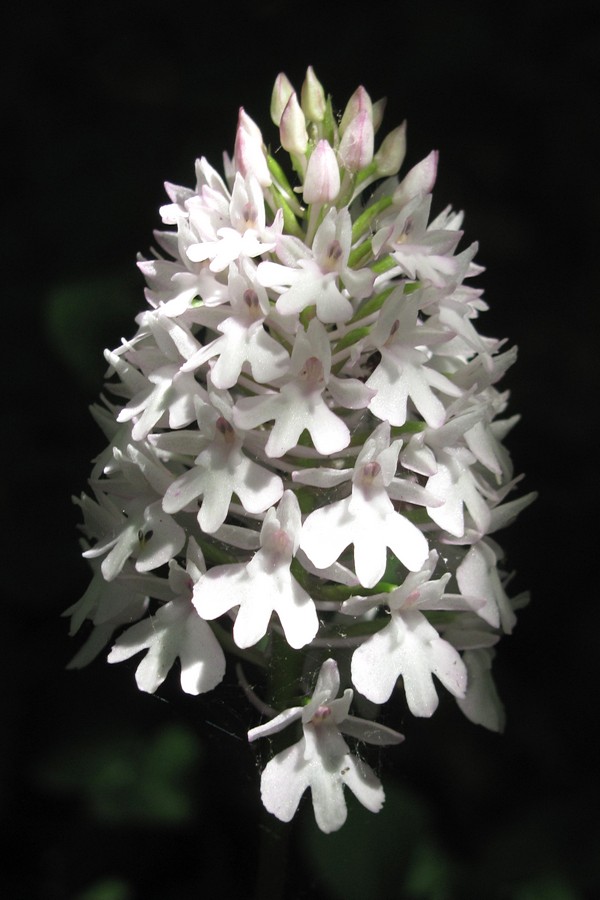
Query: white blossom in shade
{"points": [[479, 582], [506, 513], [422, 252], [119, 436], [476, 639], [142, 531], [301, 404], [367, 518], [174, 284], [321, 760], [171, 392], [456, 487], [313, 280], [409, 646], [403, 373], [175, 631], [108, 606], [219, 471], [244, 339], [162, 393], [264, 585], [481, 703], [421, 450]]}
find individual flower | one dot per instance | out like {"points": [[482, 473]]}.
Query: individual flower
{"points": [[108, 606], [246, 236], [302, 402], [314, 278], [403, 373], [409, 646], [142, 531], [175, 631], [367, 518], [264, 585], [220, 469], [244, 341], [321, 759]]}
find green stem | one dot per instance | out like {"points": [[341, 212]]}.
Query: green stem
{"points": [[314, 220], [272, 857], [285, 669]]}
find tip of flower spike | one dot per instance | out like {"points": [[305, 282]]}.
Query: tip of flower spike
{"points": [[292, 127], [356, 146], [391, 153], [322, 182], [312, 97], [359, 102], [282, 91], [249, 153], [419, 181]]}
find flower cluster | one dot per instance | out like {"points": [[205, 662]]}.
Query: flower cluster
{"points": [[306, 447]]}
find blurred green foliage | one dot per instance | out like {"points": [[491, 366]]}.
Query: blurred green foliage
{"points": [[401, 840], [128, 778], [107, 889], [83, 317], [402, 853]]}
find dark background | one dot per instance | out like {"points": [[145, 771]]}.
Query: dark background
{"points": [[109, 794]]}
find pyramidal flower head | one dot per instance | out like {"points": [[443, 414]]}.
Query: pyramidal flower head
{"points": [[305, 432]]}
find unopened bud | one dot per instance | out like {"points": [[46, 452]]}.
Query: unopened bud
{"points": [[356, 147], [249, 125], [419, 180], [392, 151], [322, 182], [282, 91], [292, 128], [358, 102], [312, 97], [249, 154]]}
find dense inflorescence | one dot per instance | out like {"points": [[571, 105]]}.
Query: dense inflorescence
{"points": [[306, 447]]}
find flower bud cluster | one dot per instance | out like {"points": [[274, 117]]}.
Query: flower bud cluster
{"points": [[305, 446]]}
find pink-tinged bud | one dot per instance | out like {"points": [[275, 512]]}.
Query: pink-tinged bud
{"points": [[249, 125], [292, 128], [282, 91], [322, 182], [249, 154], [420, 180], [392, 151], [312, 97], [356, 147], [358, 102]]}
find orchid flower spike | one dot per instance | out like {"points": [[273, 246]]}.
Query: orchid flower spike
{"points": [[305, 465]]}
